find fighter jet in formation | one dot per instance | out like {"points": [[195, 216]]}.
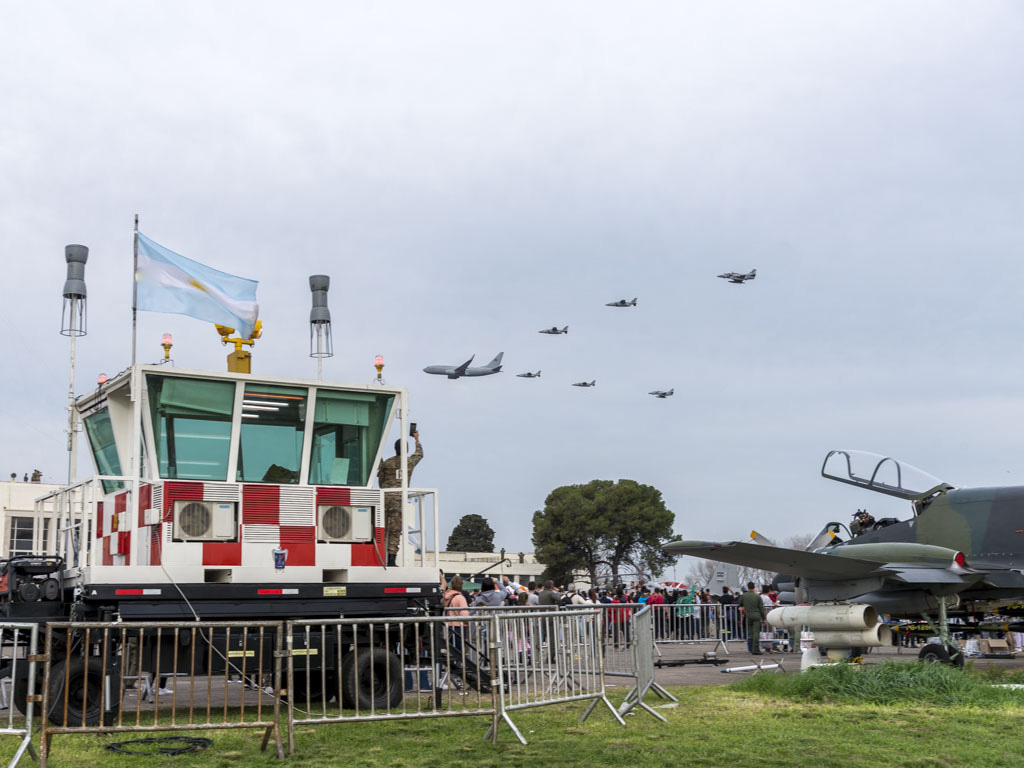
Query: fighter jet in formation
{"points": [[455, 371], [528, 375], [585, 383], [738, 277], [621, 303], [555, 331], [662, 394]]}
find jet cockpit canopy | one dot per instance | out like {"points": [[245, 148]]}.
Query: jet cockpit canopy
{"points": [[881, 474]]}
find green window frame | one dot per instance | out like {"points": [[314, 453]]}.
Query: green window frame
{"points": [[104, 451], [191, 426], [272, 432], [347, 430]]}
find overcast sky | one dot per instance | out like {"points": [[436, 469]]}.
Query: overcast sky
{"points": [[468, 173]]}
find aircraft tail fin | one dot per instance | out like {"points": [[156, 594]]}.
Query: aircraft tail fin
{"points": [[593, 382], [566, 329], [633, 302], [753, 274], [496, 362], [538, 374], [672, 391]]}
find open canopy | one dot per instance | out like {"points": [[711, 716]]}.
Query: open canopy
{"points": [[881, 474]]}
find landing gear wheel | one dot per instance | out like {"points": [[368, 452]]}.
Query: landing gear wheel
{"points": [[85, 683], [373, 678], [936, 652]]}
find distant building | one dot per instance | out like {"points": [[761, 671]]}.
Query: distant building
{"points": [[523, 570], [26, 530]]}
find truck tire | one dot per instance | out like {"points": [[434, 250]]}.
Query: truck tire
{"points": [[84, 678], [373, 678]]}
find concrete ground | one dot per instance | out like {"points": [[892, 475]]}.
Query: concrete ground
{"points": [[707, 674]]}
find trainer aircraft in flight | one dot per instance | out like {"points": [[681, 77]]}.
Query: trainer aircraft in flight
{"points": [[739, 277], [555, 331]]}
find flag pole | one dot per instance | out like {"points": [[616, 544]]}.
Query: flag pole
{"points": [[135, 284]]}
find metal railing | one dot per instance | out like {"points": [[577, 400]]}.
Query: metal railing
{"points": [[643, 663], [472, 662], [349, 670], [21, 667], [89, 666]]}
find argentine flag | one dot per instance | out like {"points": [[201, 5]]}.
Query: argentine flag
{"points": [[168, 282]]}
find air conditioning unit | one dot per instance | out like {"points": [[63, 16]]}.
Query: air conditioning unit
{"points": [[205, 521], [336, 523]]}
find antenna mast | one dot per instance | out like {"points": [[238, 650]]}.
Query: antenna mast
{"points": [[73, 325]]}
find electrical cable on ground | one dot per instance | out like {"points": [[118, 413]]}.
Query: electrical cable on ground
{"points": [[161, 745]]}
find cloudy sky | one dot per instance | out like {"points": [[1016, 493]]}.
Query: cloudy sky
{"points": [[469, 173]]}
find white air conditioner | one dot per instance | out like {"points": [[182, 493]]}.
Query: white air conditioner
{"points": [[344, 524], [205, 521]]}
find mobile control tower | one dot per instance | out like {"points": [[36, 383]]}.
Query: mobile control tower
{"points": [[230, 496]]}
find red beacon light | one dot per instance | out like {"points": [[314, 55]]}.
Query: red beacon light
{"points": [[167, 342], [378, 363], [960, 560], [101, 379]]}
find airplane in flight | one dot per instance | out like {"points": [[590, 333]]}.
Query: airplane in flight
{"points": [[739, 277], [528, 375], [555, 331], [662, 394], [456, 371], [621, 303], [585, 383], [960, 551]]}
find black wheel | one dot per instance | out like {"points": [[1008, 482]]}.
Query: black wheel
{"points": [[311, 691], [85, 682], [373, 678], [20, 695], [935, 652]]}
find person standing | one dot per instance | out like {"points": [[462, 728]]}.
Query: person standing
{"points": [[753, 612], [389, 475]]}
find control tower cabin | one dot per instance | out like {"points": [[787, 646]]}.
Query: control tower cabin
{"points": [[232, 495]]}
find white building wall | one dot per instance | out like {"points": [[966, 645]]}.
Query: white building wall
{"points": [[467, 564], [23, 529]]}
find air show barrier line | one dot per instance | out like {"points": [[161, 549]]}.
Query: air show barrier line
{"points": [[643, 662], [20, 637], [549, 658], [86, 693]]}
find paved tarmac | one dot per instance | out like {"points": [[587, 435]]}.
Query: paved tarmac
{"points": [[707, 674]]}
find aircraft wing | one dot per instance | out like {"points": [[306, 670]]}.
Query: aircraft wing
{"points": [[461, 370], [910, 574], [791, 561]]}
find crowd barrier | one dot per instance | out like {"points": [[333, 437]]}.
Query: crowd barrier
{"points": [[643, 663], [143, 677], [20, 676], [94, 671]]}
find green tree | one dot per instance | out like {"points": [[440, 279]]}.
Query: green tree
{"points": [[602, 526], [471, 534]]}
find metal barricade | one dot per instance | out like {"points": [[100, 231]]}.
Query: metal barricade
{"points": [[643, 656], [617, 638], [20, 646], [350, 670], [88, 666], [696, 623], [547, 658]]}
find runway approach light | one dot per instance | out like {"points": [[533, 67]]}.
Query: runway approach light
{"points": [[167, 342], [320, 343], [378, 363], [73, 316]]}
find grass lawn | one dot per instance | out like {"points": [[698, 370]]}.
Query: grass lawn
{"points": [[711, 726]]}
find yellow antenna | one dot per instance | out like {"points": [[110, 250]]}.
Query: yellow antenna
{"points": [[240, 361]]}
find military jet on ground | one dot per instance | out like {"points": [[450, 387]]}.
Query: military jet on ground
{"points": [[555, 331], [585, 383], [455, 371], [960, 550], [621, 303], [659, 393], [528, 375], [739, 277]]}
